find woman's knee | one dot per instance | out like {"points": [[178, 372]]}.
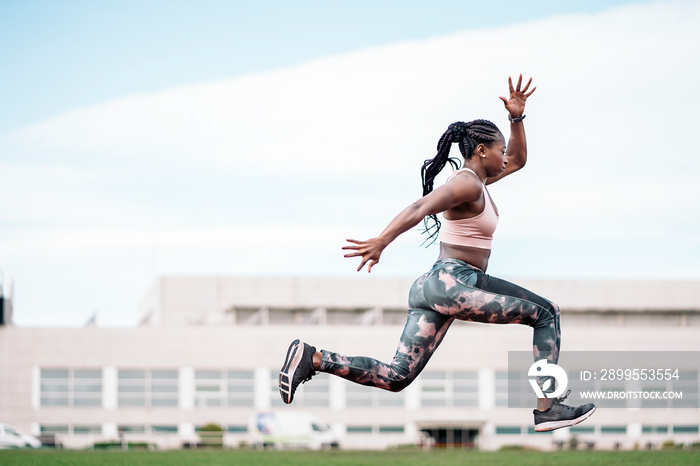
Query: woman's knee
{"points": [[548, 315], [399, 382], [556, 312]]}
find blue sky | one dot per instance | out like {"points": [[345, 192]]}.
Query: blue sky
{"points": [[140, 139], [58, 55]]}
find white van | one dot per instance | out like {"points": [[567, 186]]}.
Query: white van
{"points": [[12, 438], [290, 430]]}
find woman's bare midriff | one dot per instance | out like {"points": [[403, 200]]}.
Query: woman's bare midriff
{"points": [[477, 257]]}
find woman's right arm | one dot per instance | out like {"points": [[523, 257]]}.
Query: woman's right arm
{"points": [[516, 151], [458, 190]]}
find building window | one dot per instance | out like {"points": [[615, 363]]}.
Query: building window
{"points": [[241, 388], [613, 429], [508, 430], [87, 429], [582, 429], [78, 429], [687, 383], [357, 396], [387, 399], [214, 388], [316, 393], [448, 389], [55, 387], [368, 430], [164, 429], [148, 388], [71, 387], [132, 429], [685, 429], [164, 387], [313, 394], [210, 388], [391, 429], [132, 387], [237, 429], [434, 389], [141, 429], [501, 385], [359, 429], [511, 390], [655, 429], [465, 389], [531, 431], [54, 429], [654, 386]]}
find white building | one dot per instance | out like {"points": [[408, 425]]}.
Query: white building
{"points": [[208, 349]]}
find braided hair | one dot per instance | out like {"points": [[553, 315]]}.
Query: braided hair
{"points": [[467, 136]]}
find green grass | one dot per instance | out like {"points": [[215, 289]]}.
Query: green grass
{"points": [[391, 457]]}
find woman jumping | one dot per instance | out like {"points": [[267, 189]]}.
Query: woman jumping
{"points": [[457, 286]]}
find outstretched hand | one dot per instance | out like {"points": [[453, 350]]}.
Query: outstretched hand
{"points": [[515, 104], [369, 250]]}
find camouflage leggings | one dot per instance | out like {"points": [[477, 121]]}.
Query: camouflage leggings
{"points": [[451, 290]]}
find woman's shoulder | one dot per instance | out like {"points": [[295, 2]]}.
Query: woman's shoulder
{"points": [[465, 175], [464, 185]]}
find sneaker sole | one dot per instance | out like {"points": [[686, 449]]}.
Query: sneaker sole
{"points": [[553, 425], [291, 362]]}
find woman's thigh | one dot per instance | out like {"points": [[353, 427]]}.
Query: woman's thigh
{"points": [[468, 294]]}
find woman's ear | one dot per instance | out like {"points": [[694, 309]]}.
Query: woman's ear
{"points": [[481, 150]]}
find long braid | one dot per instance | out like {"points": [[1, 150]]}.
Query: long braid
{"points": [[467, 136]]}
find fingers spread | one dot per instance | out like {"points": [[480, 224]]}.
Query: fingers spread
{"points": [[371, 264], [520, 81], [510, 85], [527, 85], [530, 93]]}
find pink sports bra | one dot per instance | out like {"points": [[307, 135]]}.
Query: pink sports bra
{"points": [[475, 232]]}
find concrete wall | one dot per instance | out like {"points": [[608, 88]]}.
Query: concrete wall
{"points": [[180, 300], [482, 348], [192, 328]]}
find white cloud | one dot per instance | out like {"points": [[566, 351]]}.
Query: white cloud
{"points": [[386, 105], [609, 131]]}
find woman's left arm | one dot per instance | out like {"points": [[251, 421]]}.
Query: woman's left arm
{"points": [[516, 150], [458, 190]]}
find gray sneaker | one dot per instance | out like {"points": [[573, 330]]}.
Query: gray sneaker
{"points": [[298, 368], [559, 415]]}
